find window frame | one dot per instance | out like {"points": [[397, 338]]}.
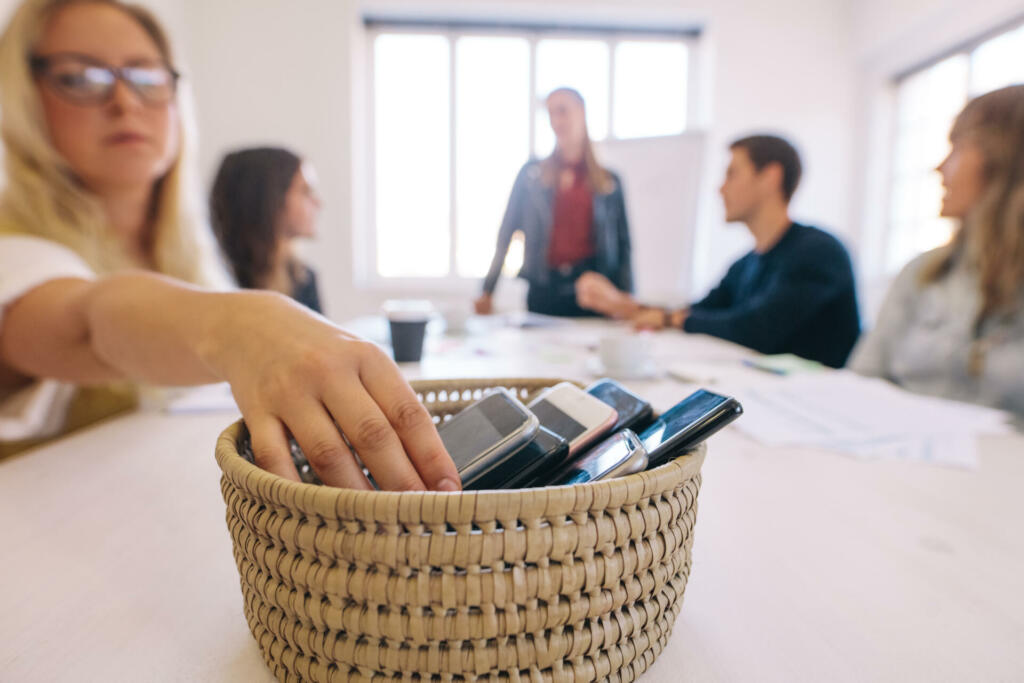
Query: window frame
{"points": [[533, 34], [967, 49]]}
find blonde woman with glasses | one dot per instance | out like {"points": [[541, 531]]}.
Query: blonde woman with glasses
{"points": [[106, 272], [953, 323]]}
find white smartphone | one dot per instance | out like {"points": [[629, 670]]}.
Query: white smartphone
{"points": [[573, 414], [482, 436]]}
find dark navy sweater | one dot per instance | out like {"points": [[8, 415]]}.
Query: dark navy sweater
{"points": [[798, 297]]}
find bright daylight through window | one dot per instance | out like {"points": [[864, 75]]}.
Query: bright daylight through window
{"points": [[927, 102], [452, 126]]}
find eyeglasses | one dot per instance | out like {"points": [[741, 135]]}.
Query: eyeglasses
{"points": [[83, 80]]}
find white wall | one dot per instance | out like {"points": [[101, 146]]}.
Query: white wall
{"points": [[268, 72]]}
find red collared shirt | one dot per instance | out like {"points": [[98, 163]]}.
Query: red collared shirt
{"points": [[572, 228]]}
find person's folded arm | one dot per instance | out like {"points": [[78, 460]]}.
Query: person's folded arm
{"points": [[290, 370], [766, 320]]}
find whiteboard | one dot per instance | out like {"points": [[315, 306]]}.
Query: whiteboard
{"points": [[661, 179]]}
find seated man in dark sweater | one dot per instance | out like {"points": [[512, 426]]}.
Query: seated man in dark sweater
{"points": [[793, 293]]}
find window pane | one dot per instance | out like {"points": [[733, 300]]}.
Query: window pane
{"points": [[492, 140], [650, 89], [411, 125], [927, 103], [579, 64], [998, 62]]}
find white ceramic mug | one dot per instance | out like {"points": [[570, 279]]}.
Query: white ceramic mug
{"points": [[456, 317], [626, 355]]}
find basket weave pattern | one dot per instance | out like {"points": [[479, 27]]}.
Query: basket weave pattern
{"points": [[574, 583]]}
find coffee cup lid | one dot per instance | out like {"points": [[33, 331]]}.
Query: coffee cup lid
{"points": [[408, 309]]}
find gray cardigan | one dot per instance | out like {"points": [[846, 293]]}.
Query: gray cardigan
{"points": [[531, 210], [923, 338]]}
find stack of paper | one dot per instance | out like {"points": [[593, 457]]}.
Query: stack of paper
{"points": [[866, 418]]}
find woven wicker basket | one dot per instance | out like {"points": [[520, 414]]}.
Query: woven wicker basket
{"points": [[574, 583]]}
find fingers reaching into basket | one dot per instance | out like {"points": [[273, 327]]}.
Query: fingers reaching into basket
{"points": [[318, 378]]}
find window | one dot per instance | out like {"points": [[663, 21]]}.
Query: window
{"points": [[457, 111], [927, 102]]}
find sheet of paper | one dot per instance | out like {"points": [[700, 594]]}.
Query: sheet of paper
{"points": [[865, 417]]}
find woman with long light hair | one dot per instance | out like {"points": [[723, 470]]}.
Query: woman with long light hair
{"points": [[43, 197], [105, 268], [953, 322], [572, 215]]}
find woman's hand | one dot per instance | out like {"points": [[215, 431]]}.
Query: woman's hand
{"points": [[484, 304], [293, 372], [597, 293], [659, 318], [649, 319]]}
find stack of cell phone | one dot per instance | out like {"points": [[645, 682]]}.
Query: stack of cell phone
{"points": [[568, 435]]}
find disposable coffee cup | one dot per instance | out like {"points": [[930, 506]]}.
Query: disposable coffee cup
{"points": [[408, 322]]}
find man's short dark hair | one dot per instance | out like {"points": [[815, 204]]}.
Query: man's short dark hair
{"points": [[770, 149]]}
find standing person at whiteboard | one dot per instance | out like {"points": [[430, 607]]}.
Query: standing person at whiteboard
{"points": [[572, 215]]}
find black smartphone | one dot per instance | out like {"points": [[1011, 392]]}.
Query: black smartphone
{"points": [[483, 435], [621, 453], [634, 412], [547, 450], [686, 424]]}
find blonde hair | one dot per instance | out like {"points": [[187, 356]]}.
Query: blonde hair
{"points": [[991, 237], [42, 197], [598, 178]]}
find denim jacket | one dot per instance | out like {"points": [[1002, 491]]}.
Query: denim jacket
{"points": [[531, 210]]}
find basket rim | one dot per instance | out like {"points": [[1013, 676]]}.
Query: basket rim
{"points": [[466, 507]]}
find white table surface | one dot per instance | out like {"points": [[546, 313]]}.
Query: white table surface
{"points": [[808, 566]]}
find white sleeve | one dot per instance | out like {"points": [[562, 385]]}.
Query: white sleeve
{"points": [[36, 410], [27, 262]]}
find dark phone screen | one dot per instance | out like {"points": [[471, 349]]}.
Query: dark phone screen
{"points": [[479, 427], [632, 410], [554, 419], [686, 416]]}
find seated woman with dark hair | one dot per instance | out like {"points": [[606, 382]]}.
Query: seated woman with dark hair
{"points": [[262, 200]]}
